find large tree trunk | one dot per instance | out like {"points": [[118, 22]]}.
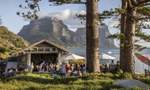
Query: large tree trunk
{"points": [[129, 40], [92, 37], [122, 39]]}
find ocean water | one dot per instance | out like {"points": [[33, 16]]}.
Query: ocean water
{"points": [[139, 67]]}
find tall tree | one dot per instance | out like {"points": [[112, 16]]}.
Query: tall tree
{"points": [[133, 13], [122, 41], [129, 39], [92, 36], [129, 28]]}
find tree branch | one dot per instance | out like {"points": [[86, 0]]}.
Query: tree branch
{"points": [[144, 18], [141, 2], [146, 4], [134, 2]]}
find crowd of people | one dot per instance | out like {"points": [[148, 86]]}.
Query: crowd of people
{"points": [[112, 67], [64, 69]]}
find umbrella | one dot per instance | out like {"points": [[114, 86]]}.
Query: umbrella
{"points": [[106, 56], [74, 57]]}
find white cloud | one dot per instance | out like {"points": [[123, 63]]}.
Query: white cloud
{"points": [[63, 15], [68, 17]]}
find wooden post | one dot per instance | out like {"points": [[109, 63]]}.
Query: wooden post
{"points": [[58, 58], [28, 60]]}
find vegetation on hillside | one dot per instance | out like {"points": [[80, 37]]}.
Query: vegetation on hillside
{"points": [[9, 42]]}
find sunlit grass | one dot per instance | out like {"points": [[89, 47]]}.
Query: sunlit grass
{"points": [[29, 81]]}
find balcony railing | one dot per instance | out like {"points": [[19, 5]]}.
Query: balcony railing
{"points": [[41, 50]]}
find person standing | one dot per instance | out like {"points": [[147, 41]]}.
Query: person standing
{"points": [[63, 70], [68, 69]]}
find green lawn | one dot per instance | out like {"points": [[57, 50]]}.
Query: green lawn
{"points": [[46, 82]]}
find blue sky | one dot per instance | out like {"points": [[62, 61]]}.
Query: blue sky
{"points": [[8, 9]]}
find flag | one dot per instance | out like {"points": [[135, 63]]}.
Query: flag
{"points": [[143, 59]]}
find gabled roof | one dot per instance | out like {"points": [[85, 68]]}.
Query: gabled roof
{"points": [[49, 42]]}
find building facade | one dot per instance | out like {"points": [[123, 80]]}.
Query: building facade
{"points": [[43, 50]]}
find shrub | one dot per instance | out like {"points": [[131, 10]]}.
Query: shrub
{"points": [[3, 50], [89, 76], [125, 76], [146, 80]]}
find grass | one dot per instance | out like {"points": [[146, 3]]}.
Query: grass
{"points": [[31, 81], [146, 80]]}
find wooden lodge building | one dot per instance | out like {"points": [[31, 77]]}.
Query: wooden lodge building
{"points": [[43, 50]]}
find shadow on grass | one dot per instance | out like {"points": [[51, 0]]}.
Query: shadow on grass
{"points": [[44, 80]]}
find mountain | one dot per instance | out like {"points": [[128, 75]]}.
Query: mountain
{"points": [[105, 43], [9, 42], [56, 31], [47, 28]]}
